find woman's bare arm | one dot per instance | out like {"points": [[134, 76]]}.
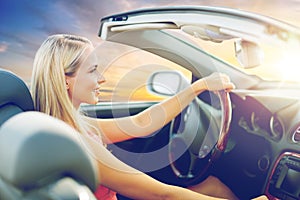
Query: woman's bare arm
{"points": [[125, 180], [155, 117]]}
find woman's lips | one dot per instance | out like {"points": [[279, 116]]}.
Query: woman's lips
{"points": [[97, 91]]}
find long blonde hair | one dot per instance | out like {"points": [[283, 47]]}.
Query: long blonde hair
{"points": [[58, 56]]}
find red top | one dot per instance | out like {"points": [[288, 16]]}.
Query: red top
{"points": [[103, 193]]}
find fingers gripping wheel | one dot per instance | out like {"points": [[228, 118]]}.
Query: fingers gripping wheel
{"points": [[198, 136]]}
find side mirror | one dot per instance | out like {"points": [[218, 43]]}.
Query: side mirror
{"points": [[167, 83], [248, 53]]}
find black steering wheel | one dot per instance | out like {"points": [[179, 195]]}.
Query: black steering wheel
{"points": [[198, 136]]}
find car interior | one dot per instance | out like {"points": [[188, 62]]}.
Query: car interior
{"points": [[262, 153], [38, 160]]}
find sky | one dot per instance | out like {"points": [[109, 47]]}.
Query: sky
{"points": [[25, 24]]}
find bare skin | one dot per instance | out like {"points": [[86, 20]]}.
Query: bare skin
{"points": [[116, 175]]}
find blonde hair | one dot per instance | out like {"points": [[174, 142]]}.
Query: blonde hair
{"points": [[58, 56]]}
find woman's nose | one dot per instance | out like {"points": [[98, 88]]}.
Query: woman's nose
{"points": [[101, 79]]}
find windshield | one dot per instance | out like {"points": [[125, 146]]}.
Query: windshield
{"points": [[279, 61], [128, 68]]}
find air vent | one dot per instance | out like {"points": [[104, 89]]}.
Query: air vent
{"points": [[276, 128], [296, 136]]}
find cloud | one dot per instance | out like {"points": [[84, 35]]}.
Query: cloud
{"points": [[3, 47], [24, 44]]}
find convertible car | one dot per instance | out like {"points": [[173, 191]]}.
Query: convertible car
{"points": [[249, 138]]}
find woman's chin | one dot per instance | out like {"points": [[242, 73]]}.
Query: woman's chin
{"points": [[96, 100]]}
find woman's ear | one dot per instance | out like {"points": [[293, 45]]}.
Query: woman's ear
{"points": [[67, 83]]}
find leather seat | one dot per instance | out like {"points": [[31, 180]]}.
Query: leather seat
{"points": [[41, 157], [14, 96]]}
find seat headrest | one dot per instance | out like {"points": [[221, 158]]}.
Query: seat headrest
{"points": [[37, 149], [14, 95]]}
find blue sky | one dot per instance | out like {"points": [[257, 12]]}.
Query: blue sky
{"points": [[26, 23]]}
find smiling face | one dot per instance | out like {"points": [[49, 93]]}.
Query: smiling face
{"points": [[85, 85]]}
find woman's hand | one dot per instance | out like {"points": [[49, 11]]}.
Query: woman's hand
{"points": [[215, 81]]}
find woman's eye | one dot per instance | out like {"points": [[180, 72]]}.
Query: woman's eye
{"points": [[93, 69]]}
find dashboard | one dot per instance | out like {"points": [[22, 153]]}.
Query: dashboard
{"points": [[264, 148]]}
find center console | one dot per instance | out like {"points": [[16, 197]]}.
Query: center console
{"points": [[284, 182]]}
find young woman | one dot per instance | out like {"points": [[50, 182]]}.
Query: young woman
{"points": [[65, 75]]}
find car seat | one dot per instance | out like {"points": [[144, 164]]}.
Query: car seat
{"points": [[41, 157], [14, 95]]}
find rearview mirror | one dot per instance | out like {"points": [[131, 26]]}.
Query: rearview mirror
{"points": [[248, 53], [167, 83]]}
